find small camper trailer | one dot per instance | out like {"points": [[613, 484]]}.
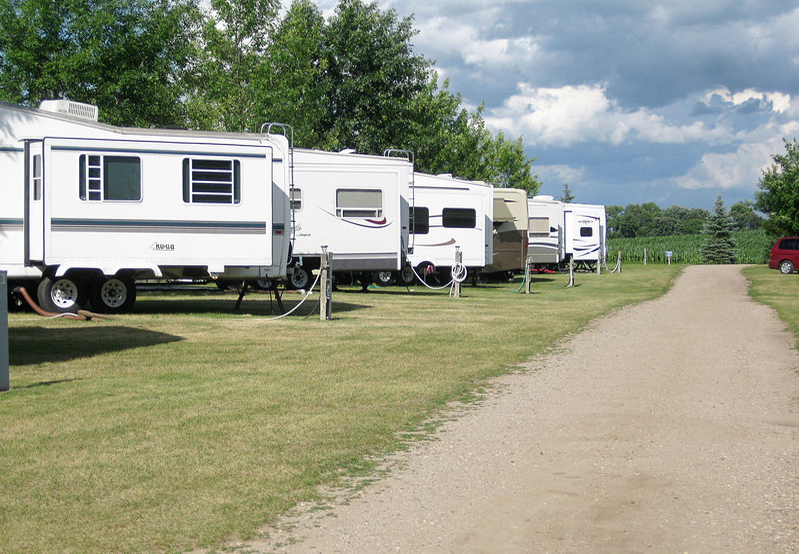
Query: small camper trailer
{"points": [[510, 231], [354, 204], [546, 238], [449, 214], [92, 208], [585, 232]]}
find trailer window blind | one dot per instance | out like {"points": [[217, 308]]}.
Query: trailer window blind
{"points": [[104, 178], [295, 198], [359, 203], [418, 220], [585, 231], [539, 227], [37, 177], [211, 181], [459, 218]]}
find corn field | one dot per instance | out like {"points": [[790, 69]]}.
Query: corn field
{"points": [[753, 247]]}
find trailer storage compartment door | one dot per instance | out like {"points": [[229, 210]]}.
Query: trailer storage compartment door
{"points": [[34, 222]]}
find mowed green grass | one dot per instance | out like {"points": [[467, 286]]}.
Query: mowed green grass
{"points": [[778, 291], [185, 424]]}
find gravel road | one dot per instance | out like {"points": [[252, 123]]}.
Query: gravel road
{"points": [[671, 426]]}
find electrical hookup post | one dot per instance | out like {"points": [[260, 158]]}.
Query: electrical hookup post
{"points": [[326, 285], [4, 384]]}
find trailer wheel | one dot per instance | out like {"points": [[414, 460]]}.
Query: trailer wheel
{"points": [[406, 276], [300, 278], [60, 295], [383, 278], [113, 295]]}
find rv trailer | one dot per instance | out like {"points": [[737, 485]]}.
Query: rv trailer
{"points": [[448, 214], [585, 232], [354, 204], [546, 238], [92, 208], [510, 231]]}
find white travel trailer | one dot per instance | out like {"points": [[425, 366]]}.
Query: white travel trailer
{"points": [[447, 214], [585, 232], [90, 208], [354, 204], [510, 231], [546, 237]]}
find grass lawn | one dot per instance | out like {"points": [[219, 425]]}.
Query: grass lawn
{"points": [[185, 424], [778, 291]]}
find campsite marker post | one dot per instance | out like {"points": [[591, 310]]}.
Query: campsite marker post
{"points": [[4, 384], [457, 289], [669, 255], [528, 275], [572, 268], [326, 286]]}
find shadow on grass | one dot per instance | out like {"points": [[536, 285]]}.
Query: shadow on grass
{"points": [[34, 345], [223, 303]]}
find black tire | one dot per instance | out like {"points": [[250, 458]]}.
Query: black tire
{"points": [[61, 295], [113, 295], [786, 267], [300, 278], [383, 278], [405, 277]]}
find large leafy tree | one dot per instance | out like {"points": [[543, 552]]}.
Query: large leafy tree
{"points": [[777, 196], [374, 76], [233, 41], [294, 87], [719, 247], [125, 56]]}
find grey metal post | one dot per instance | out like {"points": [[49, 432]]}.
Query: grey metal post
{"points": [[572, 267], [326, 286], [457, 289], [600, 260], [4, 382], [528, 275]]}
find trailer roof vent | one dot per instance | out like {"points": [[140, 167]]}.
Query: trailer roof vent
{"points": [[68, 107]]}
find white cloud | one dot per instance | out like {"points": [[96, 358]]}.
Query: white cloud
{"points": [[573, 114], [732, 170]]}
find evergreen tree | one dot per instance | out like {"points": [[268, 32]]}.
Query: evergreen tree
{"points": [[719, 247]]}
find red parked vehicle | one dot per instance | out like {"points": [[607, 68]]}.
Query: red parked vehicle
{"points": [[784, 255]]}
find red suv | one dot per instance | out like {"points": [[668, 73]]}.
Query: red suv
{"points": [[784, 255]]}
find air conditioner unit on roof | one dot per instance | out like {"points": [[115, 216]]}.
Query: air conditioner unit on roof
{"points": [[68, 107]]}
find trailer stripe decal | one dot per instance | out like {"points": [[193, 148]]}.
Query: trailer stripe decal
{"points": [[129, 226]]}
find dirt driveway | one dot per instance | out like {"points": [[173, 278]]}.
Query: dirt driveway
{"points": [[671, 426]]}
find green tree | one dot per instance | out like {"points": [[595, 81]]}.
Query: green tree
{"points": [[293, 75], [567, 194], [719, 247], [125, 56], [777, 196], [233, 41], [744, 216], [373, 76]]}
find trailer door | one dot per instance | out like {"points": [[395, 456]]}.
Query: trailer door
{"points": [[34, 223]]}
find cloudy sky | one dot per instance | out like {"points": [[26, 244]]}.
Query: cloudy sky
{"points": [[628, 101]]}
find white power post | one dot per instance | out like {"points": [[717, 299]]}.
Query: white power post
{"points": [[326, 285], [457, 288], [4, 383], [528, 275]]}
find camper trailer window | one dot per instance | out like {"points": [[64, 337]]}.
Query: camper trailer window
{"points": [[539, 227], [37, 177], [461, 218], [109, 178], [296, 198], [418, 220], [214, 181], [359, 203], [586, 231]]}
